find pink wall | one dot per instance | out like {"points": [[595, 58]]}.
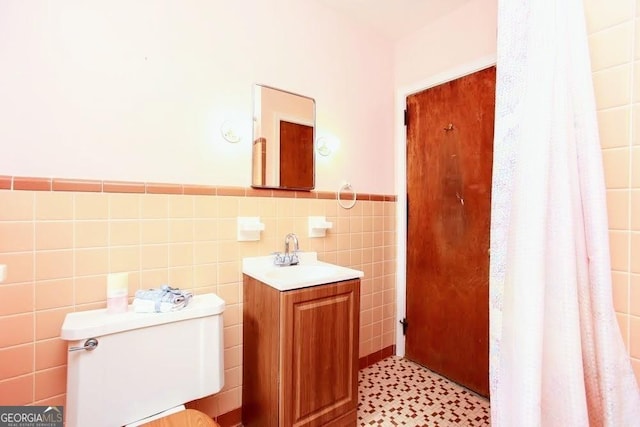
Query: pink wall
{"points": [[59, 247], [614, 49], [138, 91], [463, 36]]}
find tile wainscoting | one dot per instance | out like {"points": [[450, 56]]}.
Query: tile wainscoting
{"points": [[61, 237]]}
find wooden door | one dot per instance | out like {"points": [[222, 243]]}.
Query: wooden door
{"points": [[449, 161], [296, 155], [320, 355]]}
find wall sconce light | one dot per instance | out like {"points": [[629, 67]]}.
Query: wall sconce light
{"points": [[229, 131], [323, 147]]}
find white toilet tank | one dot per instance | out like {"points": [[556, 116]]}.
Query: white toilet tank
{"points": [[144, 363]]}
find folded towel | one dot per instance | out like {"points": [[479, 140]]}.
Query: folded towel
{"points": [[150, 306], [162, 300]]}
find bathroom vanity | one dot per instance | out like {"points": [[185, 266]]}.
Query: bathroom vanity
{"points": [[300, 345]]}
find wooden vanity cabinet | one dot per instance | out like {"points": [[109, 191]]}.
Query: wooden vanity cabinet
{"points": [[300, 355]]}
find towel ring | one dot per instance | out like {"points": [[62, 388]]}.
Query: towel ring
{"points": [[350, 203]]}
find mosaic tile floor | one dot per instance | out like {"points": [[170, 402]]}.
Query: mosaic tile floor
{"points": [[397, 392]]}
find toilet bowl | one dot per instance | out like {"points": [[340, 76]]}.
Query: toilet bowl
{"points": [[127, 367]]}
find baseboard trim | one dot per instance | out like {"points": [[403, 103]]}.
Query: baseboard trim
{"points": [[230, 419], [376, 356]]}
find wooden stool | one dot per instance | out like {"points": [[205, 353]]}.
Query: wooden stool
{"points": [[186, 418]]}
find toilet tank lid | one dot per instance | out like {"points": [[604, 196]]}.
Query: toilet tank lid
{"points": [[95, 323]]}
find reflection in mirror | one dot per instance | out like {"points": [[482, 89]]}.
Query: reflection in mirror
{"points": [[283, 135]]}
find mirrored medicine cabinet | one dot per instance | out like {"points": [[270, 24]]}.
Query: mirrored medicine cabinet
{"points": [[283, 135]]}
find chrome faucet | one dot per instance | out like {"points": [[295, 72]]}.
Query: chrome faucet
{"points": [[287, 239], [288, 257]]}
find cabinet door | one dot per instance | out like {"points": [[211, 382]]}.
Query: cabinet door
{"points": [[320, 327]]}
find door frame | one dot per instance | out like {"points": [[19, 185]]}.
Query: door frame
{"points": [[401, 177]]}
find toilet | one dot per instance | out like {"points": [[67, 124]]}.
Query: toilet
{"points": [[129, 368]]}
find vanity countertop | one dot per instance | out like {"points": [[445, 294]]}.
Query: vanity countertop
{"points": [[308, 272]]}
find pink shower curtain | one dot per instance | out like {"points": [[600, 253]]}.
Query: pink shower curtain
{"points": [[556, 356]]}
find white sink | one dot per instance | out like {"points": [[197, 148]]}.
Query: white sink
{"points": [[308, 272]]}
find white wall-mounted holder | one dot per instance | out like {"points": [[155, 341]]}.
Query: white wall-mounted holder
{"points": [[322, 146], [229, 131], [318, 226], [249, 228]]}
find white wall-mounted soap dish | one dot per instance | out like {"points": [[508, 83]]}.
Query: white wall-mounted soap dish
{"points": [[249, 228], [318, 226]]}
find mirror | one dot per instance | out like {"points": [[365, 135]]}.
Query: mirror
{"points": [[283, 135]]}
